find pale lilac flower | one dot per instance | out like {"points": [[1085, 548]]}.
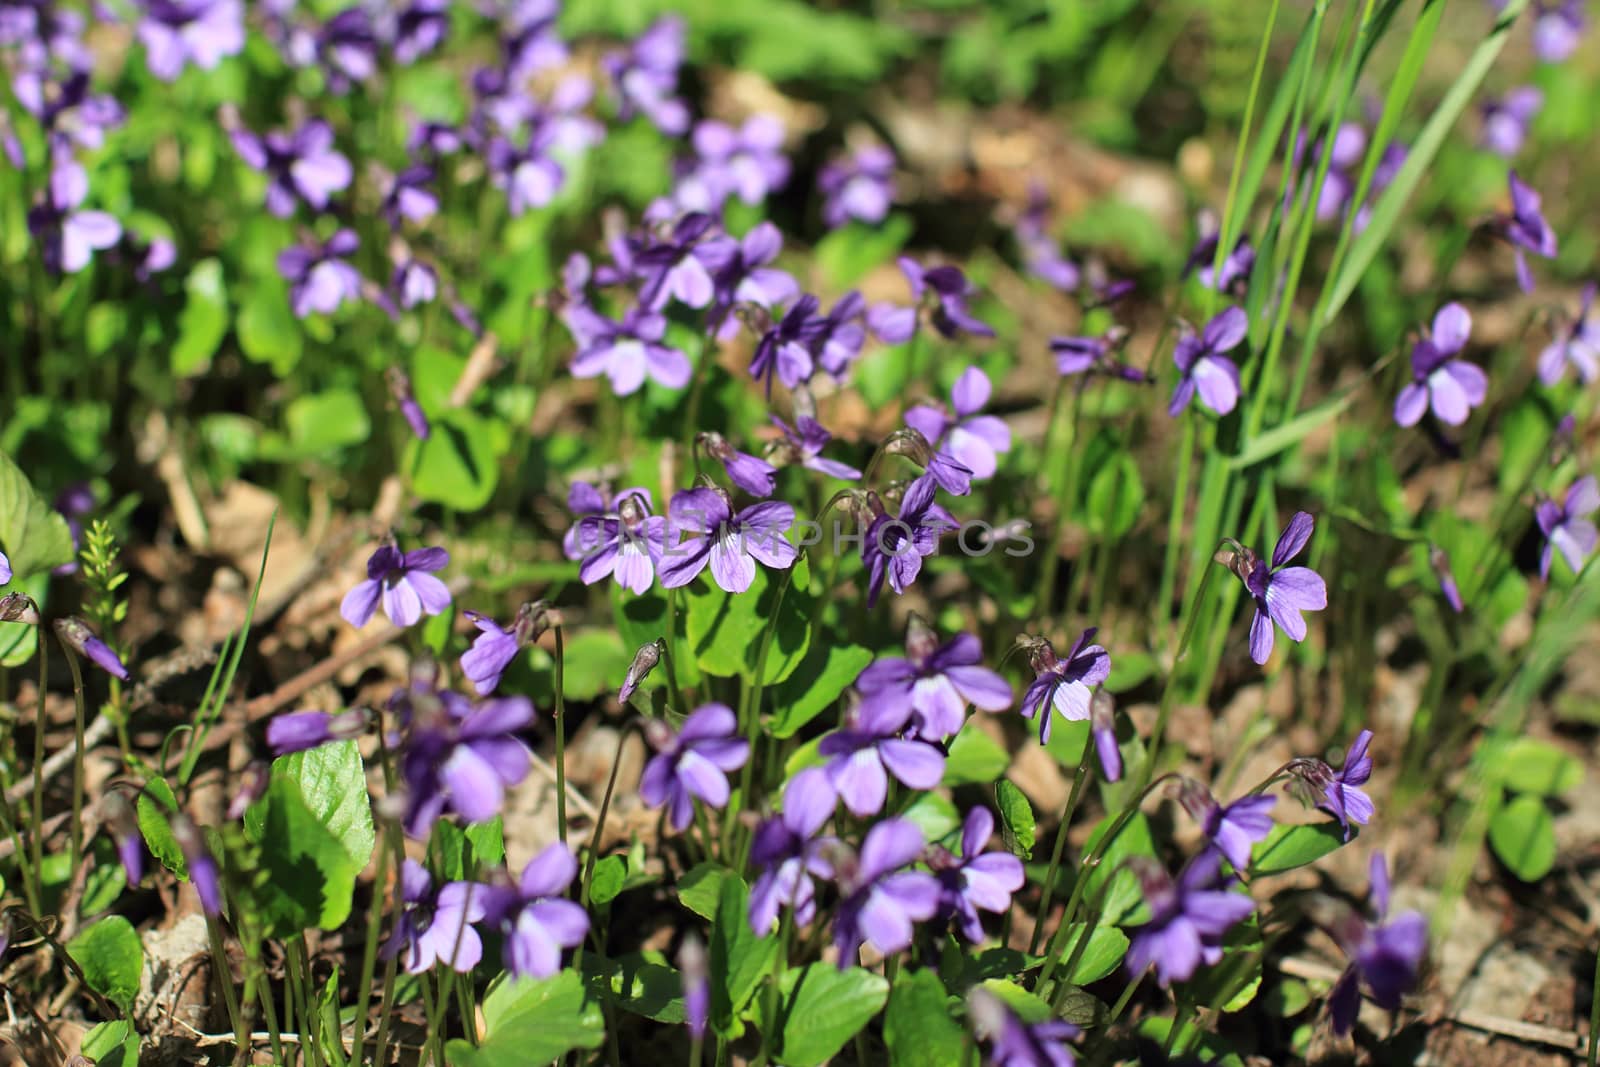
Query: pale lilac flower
{"points": [[626, 352], [747, 162], [1577, 343], [755, 476], [436, 927], [589, 503], [840, 335], [528, 173], [1506, 120], [1014, 1043], [1342, 796], [1041, 254], [950, 290], [646, 76], [893, 546], [178, 32], [299, 731], [784, 350], [419, 28], [803, 444], [405, 584], [69, 237], [892, 324], [972, 440], [1232, 829], [1188, 917], [1280, 592], [931, 687], [731, 543], [1236, 265], [347, 46], [494, 648], [1385, 956], [1567, 527], [1557, 28], [5, 569], [1065, 684], [1202, 366], [1525, 229], [789, 853], [976, 880], [1092, 355], [409, 197], [65, 108], [415, 282], [879, 898], [538, 922], [319, 276], [692, 763], [531, 40], [1339, 185], [1451, 387], [671, 268], [304, 165], [461, 757], [739, 270], [627, 545], [859, 186], [696, 971], [866, 750]]}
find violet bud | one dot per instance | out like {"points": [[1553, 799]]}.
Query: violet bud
{"points": [[203, 870], [298, 731], [693, 965], [1447, 581], [76, 636], [253, 782], [118, 816], [400, 389], [1102, 723], [644, 661], [19, 607]]}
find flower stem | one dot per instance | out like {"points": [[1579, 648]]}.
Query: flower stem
{"points": [[1169, 691], [600, 821], [36, 831], [1122, 1002], [77, 753], [1067, 811], [1594, 1014], [750, 710], [369, 951], [561, 739], [219, 963]]}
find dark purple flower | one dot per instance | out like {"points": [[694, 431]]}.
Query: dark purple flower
{"points": [[859, 186], [1385, 956], [646, 76], [1280, 592], [68, 237], [755, 476], [1233, 828], [1447, 580], [204, 874], [436, 927], [740, 272], [1342, 796], [303, 165], [1041, 254], [879, 898], [1236, 265], [405, 584], [461, 757], [627, 544], [82, 640], [538, 922], [415, 282], [1092, 355], [297, 731], [419, 28], [1577, 343], [347, 46], [1452, 387], [975, 880], [1567, 527], [626, 352], [971, 439], [1188, 917], [178, 32], [494, 648], [150, 257], [893, 546], [65, 108], [1506, 121], [950, 290], [1525, 229], [1014, 1043], [784, 350], [320, 279], [1202, 366], [1065, 683], [1556, 29], [692, 763], [120, 819], [671, 268], [436, 139], [789, 854], [1339, 185], [931, 687], [531, 40], [731, 543], [838, 339], [803, 444], [866, 750]]}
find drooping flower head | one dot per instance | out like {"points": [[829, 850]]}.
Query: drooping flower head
{"points": [[692, 762], [789, 853], [405, 584], [1452, 387], [1204, 369], [1385, 956], [928, 691], [711, 533], [975, 880], [755, 476], [1280, 592], [880, 898], [1567, 527], [1339, 793], [75, 634], [204, 874], [1093, 355], [1103, 731], [695, 967], [1064, 684], [299, 731], [494, 648], [803, 443], [973, 440], [1189, 917]]}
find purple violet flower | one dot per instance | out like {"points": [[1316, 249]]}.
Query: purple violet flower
{"points": [[1452, 387], [859, 186], [646, 76], [1567, 527], [415, 283], [461, 757], [1188, 917], [419, 28], [1092, 355], [82, 640], [755, 476], [1103, 731], [710, 532], [347, 46], [1339, 185], [1506, 120], [494, 648], [803, 444], [1280, 592], [1233, 828], [204, 874], [1202, 366], [627, 544], [436, 927], [5, 569], [1041, 254], [299, 731], [320, 279], [788, 852], [178, 32], [950, 290], [740, 272], [972, 440], [866, 750], [400, 389], [68, 237], [747, 162], [931, 687], [1342, 796], [1065, 684], [1525, 229], [405, 584], [1447, 580], [692, 762], [893, 546], [1014, 1043], [626, 352], [303, 165], [784, 350], [696, 971], [1236, 265], [838, 339], [528, 174], [539, 923], [1577, 343], [409, 198], [1385, 956], [671, 268], [976, 879], [1557, 28], [879, 899]]}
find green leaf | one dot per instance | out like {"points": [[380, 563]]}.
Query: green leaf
{"points": [[825, 673], [822, 1008], [457, 465], [934, 814], [595, 663], [607, 881], [1016, 819], [111, 956], [268, 331], [637, 984], [1029, 1008], [326, 422], [846, 255], [642, 619], [1268, 444], [157, 830], [1523, 835], [1123, 897], [105, 880], [1107, 946], [1115, 495], [533, 1021], [33, 534], [974, 758], [1531, 766], [725, 630], [917, 1026], [739, 959], [467, 853], [316, 834], [700, 887], [1288, 847], [112, 1044], [204, 321]]}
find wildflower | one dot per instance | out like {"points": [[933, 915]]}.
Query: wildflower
{"points": [[528, 173], [931, 687], [891, 323], [319, 277], [1092, 355], [494, 648], [1064, 684], [975, 879], [972, 440], [741, 274], [1385, 957], [254, 781], [893, 547], [400, 389], [803, 443], [1506, 121], [408, 197], [1338, 186], [627, 545], [437, 927], [69, 237], [1566, 526], [644, 661], [694, 966], [784, 349], [1236, 265], [1525, 229], [1577, 344], [178, 32], [712, 533], [1280, 592], [1342, 796], [347, 49], [1447, 581], [537, 920], [840, 335], [1556, 29], [1188, 917], [755, 476], [204, 874], [76, 635], [627, 352], [1041, 255], [950, 289], [419, 28], [1231, 828], [303, 165], [1204, 369], [1014, 1043], [787, 850], [879, 898], [461, 757], [297, 731], [866, 750], [692, 762], [1103, 729], [120, 818], [5, 569], [646, 76], [859, 186], [1452, 387], [747, 162], [671, 269], [404, 582]]}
